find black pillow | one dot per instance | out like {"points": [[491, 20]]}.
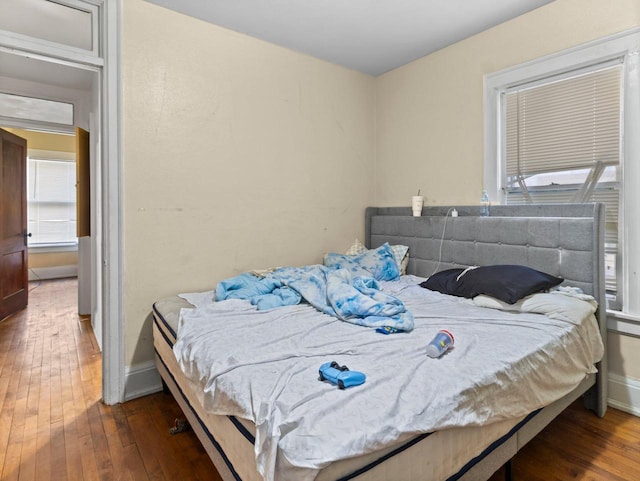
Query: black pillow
{"points": [[443, 281], [509, 283]]}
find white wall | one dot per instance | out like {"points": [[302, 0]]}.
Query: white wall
{"points": [[238, 154]]}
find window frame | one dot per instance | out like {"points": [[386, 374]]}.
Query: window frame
{"points": [[624, 47]]}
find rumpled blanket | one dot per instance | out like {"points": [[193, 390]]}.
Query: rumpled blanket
{"points": [[264, 292], [333, 291]]}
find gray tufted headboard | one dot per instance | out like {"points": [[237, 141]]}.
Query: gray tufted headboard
{"points": [[565, 240]]}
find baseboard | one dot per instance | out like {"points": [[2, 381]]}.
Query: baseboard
{"points": [[624, 394], [56, 272], [141, 379]]}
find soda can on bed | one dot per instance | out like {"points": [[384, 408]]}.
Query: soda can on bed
{"points": [[440, 344]]}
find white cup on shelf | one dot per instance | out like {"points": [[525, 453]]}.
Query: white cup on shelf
{"points": [[417, 201]]}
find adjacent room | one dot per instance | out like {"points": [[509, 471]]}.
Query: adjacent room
{"points": [[208, 147]]}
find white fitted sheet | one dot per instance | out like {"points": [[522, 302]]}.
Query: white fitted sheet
{"points": [[504, 366], [435, 457]]}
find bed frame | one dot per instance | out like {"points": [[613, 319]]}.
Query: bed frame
{"points": [[564, 240]]}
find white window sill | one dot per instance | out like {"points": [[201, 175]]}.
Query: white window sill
{"points": [[46, 248], [623, 323]]}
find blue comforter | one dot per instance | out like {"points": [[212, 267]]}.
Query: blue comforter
{"points": [[333, 290]]}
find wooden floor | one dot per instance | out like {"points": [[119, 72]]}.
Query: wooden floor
{"points": [[578, 445], [54, 427], [52, 423]]}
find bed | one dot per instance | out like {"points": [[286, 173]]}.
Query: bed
{"points": [[562, 240]]}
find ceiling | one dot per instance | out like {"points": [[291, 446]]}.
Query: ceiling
{"points": [[372, 36]]}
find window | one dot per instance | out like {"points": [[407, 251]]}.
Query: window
{"points": [[562, 144], [51, 197], [563, 129]]}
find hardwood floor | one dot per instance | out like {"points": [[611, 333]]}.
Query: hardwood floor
{"points": [[54, 427], [578, 445]]}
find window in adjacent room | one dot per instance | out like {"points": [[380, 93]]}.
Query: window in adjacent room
{"points": [[563, 128], [51, 198]]}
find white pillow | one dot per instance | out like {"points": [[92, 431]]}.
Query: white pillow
{"points": [[400, 254], [357, 248], [552, 304]]}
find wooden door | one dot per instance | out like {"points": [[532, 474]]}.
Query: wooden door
{"points": [[83, 184], [14, 288]]}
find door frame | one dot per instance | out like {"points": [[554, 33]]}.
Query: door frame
{"points": [[113, 351]]}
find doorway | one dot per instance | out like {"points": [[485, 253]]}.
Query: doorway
{"points": [[30, 102], [30, 85], [57, 247]]}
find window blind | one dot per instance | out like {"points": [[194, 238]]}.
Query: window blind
{"points": [[560, 135], [566, 124], [51, 209]]}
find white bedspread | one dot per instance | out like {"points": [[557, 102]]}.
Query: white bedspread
{"points": [[263, 366]]}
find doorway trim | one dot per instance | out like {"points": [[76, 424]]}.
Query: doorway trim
{"points": [[113, 362]]}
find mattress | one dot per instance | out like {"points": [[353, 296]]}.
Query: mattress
{"points": [[233, 438], [454, 453]]}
